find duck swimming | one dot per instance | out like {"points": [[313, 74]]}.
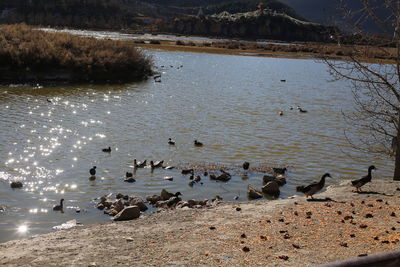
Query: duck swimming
{"points": [[279, 170], [170, 142], [138, 164], [92, 171], [313, 188], [59, 207], [157, 164], [246, 165], [188, 171], [197, 143], [107, 150], [366, 179]]}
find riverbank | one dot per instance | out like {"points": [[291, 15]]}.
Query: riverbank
{"points": [[287, 232], [368, 54]]}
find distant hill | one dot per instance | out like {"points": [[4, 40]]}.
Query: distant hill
{"points": [[328, 12], [117, 14], [259, 24]]}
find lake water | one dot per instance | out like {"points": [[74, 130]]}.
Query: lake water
{"points": [[230, 103]]}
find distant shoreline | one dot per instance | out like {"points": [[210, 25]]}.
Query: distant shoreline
{"points": [[285, 232], [280, 51]]}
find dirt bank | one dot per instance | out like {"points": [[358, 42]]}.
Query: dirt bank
{"points": [[303, 51], [289, 232]]}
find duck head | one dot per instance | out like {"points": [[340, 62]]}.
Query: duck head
{"points": [[372, 167], [326, 175]]}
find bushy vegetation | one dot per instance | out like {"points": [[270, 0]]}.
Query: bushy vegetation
{"points": [[26, 53], [99, 14]]}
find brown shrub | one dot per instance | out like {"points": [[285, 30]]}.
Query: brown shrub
{"points": [[26, 50]]}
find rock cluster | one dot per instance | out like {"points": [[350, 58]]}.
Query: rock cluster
{"points": [[271, 186], [124, 207], [168, 200]]}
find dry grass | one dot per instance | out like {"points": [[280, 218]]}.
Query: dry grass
{"points": [[36, 53]]}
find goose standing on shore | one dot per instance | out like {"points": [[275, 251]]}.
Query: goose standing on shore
{"points": [[366, 179], [313, 188], [59, 207]]}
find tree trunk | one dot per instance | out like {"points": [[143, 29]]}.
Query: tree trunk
{"points": [[396, 175]]}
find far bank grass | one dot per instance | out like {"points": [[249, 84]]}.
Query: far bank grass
{"points": [[371, 54], [27, 54]]}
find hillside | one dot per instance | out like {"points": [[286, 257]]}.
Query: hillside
{"points": [[328, 12], [119, 14], [259, 24]]}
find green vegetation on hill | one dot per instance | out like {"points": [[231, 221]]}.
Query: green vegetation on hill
{"points": [[29, 54]]}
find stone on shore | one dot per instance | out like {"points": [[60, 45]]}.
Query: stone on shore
{"points": [[128, 213]]}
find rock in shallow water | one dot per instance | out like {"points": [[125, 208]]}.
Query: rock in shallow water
{"points": [[253, 192], [137, 201], [271, 188], [128, 213]]}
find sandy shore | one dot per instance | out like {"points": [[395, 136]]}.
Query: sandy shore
{"points": [[288, 232]]}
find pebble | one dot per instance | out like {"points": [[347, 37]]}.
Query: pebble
{"points": [[212, 228], [238, 209], [283, 257], [243, 235], [296, 246], [245, 249]]}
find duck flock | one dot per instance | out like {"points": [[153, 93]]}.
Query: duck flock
{"points": [[167, 199]]}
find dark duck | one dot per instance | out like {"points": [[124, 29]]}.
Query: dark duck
{"points": [[92, 171], [366, 179], [107, 150], [59, 207], [313, 188]]}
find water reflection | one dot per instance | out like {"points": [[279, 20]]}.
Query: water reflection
{"points": [[229, 103]]}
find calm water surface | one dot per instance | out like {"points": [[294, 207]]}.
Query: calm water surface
{"points": [[230, 103]]}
